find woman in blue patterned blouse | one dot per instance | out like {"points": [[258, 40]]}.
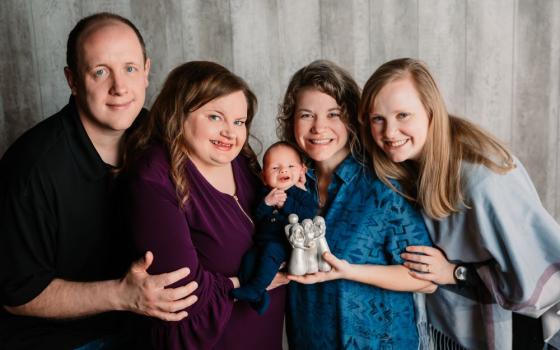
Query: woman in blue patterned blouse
{"points": [[362, 302]]}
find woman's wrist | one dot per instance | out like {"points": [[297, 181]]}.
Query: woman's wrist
{"points": [[350, 272], [465, 275], [235, 282], [451, 277]]}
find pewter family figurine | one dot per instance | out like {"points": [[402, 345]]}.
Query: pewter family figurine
{"points": [[309, 243], [321, 242]]}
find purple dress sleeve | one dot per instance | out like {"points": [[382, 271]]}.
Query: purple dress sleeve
{"points": [[160, 226]]}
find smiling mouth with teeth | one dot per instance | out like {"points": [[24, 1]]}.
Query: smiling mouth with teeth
{"points": [[396, 143], [321, 141], [221, 144]]}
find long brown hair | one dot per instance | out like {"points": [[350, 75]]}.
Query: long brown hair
{"points": [[435, 182], [187, 88], [329, 79]]}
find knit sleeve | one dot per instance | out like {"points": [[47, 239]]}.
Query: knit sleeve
{"points": [[521, 237]]}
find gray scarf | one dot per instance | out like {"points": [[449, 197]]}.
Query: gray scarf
{"points": [[515, 244]]}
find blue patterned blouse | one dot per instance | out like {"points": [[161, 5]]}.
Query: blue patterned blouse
{"points": [[367, 223]]}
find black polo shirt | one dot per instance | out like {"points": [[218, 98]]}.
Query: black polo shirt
{"points": [[58, 219]]}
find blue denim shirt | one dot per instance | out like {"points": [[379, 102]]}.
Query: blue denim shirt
{"points": [[367, 223]]}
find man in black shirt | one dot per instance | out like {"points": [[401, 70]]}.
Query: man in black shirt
{"points": [[62, 253]]}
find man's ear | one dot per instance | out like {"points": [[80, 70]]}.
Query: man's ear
{"points": [[147, 67], [72, 80]]}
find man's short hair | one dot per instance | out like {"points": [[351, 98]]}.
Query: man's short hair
{"points": [[83, 25]]}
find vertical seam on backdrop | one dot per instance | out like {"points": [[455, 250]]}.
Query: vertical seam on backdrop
{"points": [[232, 43], [183, 50], [35, 61], [370, 36], [321, 29], [280, 64], [557, 200], [231, 37], [513, 114], [418, 29], [465, 64]]}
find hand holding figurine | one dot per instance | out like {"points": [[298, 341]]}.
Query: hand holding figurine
{"points": [[339, 269]]}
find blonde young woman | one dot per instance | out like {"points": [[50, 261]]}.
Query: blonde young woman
{"points": [[479, 205]]}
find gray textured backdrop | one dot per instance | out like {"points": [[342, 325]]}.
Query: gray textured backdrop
{"points": [[497, 61]]}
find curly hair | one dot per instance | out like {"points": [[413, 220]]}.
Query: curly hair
{"points": [[328, 78], [187, 88]]}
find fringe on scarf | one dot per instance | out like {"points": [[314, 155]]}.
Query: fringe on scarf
{"points": [[439, 341]]}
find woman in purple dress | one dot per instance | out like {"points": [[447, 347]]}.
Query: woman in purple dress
{"points": [[191, 190]]}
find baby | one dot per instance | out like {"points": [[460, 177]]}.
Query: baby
{"points": [[285, 194]]}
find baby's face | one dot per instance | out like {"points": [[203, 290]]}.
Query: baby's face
{"points": [[282, 167]]}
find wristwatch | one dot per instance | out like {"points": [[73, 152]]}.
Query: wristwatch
{"points": [[460, 274]]}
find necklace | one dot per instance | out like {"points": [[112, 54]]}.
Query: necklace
{"points": [[321, 202], [321, 192]]}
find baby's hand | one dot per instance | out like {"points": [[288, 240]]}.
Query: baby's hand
{"points": [[301, 181], [275, 198]]}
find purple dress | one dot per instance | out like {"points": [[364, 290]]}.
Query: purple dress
{"points": [[209, 235]]}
